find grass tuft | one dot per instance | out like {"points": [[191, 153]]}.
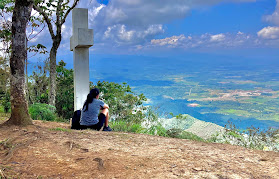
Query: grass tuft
{"points": [[60, 129]]}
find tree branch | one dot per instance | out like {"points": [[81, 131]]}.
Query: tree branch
{"points": [[37, 33], [69, 10], [58, 11], [48, 21], [64, 4]]}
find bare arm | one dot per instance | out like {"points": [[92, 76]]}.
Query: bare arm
{"points": [[105, 107]]}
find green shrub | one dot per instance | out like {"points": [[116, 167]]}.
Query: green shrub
{"points": [[181, 134], [38, 88], [119, 126], [123, 126], [41, 111], [152, 123], [150, 130], [61, 119], [190, 136], [65, 91], [161, 131], [1, 109], [252, 137], [155, 129], [174, 132], [136, 128], [125, 105], [6, 102]]}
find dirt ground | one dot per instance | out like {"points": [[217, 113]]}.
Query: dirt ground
{"points": [[44, 150]]}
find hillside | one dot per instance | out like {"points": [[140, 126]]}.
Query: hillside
{"points": [[190, 124], [52, 150]]}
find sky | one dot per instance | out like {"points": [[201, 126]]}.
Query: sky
{"points": [[172, 28]]}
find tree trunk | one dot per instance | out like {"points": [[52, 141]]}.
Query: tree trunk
{"points": [[19, 106], [52, 71], [26, 80]]}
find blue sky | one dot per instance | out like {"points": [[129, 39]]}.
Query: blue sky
{"points": [[248, 28]]}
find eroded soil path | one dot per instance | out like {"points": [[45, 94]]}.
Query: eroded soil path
{"points": [[44, 151]]}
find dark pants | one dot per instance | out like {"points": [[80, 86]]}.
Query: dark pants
{"points": [[99, 125]]}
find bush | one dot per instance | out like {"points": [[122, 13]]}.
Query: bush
{"points": [[157, 129], [181, 134], [190, 136], [38, 88], [6, 102], [41, 111], [161, 131], [65, 91], [174, 132], [251, 138], [38, 85], [124, 104], [123, 126]]}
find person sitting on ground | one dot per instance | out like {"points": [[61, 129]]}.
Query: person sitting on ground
{"points": [[90, 117]]}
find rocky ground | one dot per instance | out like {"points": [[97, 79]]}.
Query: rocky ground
{"points": [[52, 150]]}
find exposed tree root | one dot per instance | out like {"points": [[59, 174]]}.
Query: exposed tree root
{"points": [[16, 147], [2, 174]]}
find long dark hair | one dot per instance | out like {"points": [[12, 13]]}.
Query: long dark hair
{"points": [[90, 97]]}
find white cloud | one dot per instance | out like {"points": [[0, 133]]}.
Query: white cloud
{"points": [[93, 13], [217, 38], [240, 33], [269, 33], [125, 35], [269, 36], [120, 34], [135, 22], [227, 40], [66, 31], [146, 12], [274, 18], [127, 20], [174, 40], [143, 12]]}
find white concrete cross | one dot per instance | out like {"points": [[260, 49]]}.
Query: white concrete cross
{"points": [[81, 40]]}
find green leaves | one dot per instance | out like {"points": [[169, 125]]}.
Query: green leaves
{"points": [[6, 5], [38, 85], [65, 91], [124, 104], [5, 102], [5, 33], [59, 7], [37, 48], [40, 111]]}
